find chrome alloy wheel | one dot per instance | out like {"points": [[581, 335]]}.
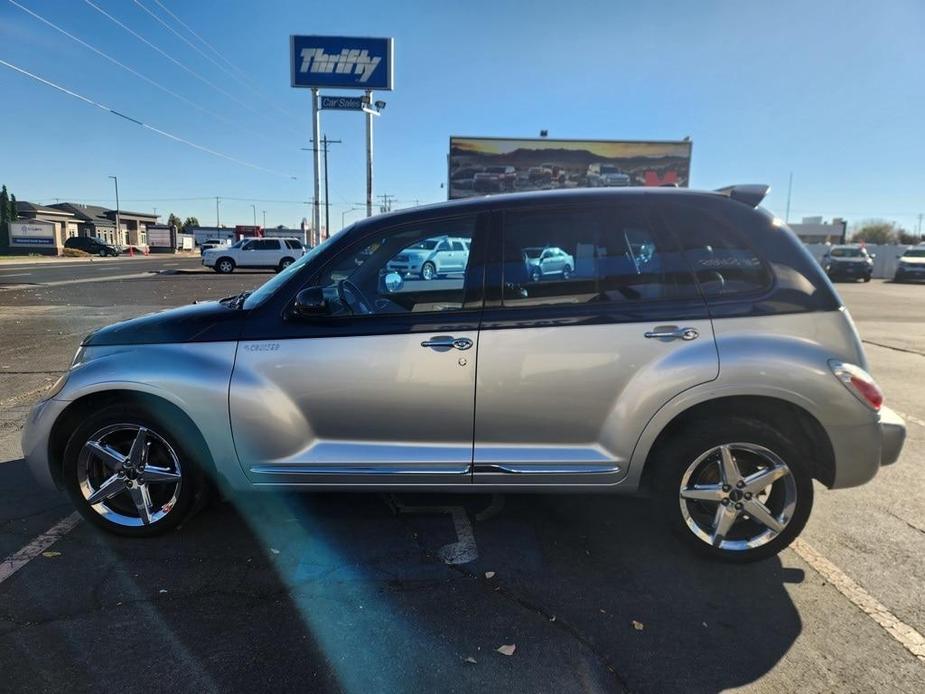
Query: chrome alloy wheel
{"points": [[129, 474], [738, 496]]}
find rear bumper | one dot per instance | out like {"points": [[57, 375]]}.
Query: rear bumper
{"points": [[892, 436], [861, 449]]}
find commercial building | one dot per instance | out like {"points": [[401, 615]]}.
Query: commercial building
{"points": [[40, 229], [814, 230], [100, 222]]}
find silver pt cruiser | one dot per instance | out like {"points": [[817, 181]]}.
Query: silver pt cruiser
{"points": [[695, 350]]}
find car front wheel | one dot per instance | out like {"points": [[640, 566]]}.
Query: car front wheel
{"points": [[127, 473], [734, 489], [428, 271], [224, 266]]}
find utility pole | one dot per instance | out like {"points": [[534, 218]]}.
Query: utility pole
{"points": [[264, 219], [118, 223], [918, 230], [387, 201], [218, 219], [325, 142], [254, 209], [789, 189]]}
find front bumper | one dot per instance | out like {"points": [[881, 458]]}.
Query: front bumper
{"points": [[36, 434]]}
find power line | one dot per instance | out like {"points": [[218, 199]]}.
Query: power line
{"points": [[131, 70], [246, 80], [176, 62], [146, 126]]}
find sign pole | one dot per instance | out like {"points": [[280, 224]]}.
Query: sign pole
{"points": [[369, 155], [316, 139]]}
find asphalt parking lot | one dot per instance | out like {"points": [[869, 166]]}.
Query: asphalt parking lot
{"points": [[408, 593]]}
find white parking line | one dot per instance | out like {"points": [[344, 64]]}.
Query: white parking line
{"points": [[15, 562], [83, 280], [906, 635], [18, 274], [911, 419]]}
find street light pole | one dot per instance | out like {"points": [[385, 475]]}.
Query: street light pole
{"points": [[369, 154], [254, 208], [118, 222], [264, 219], [218, 219]]}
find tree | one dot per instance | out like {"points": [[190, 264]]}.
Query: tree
{"points": [[14, 215], [875, 231], [907, 238], [174, 221], [190, 222], [4, 218]]}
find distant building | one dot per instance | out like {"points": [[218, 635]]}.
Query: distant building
{"points": [[40, 229], [814, 230], [100, 222]]}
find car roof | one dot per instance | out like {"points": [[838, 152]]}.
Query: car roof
{"points": [[479, 203]]}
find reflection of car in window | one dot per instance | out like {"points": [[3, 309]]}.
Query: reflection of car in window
{"points": [[432, 258], [548, 262]]}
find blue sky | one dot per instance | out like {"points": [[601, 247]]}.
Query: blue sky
{"points": [[832, 91]]}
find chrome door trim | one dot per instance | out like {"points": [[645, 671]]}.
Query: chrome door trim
{"points": [[360, 470], [539, 468]]}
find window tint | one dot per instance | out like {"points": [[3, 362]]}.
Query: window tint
{"points": [[457, 246], [396, 273], [292, 243], [721, 258], [579, 256], [266, 245]]}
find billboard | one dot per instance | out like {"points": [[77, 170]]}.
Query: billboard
{"points": [[34, 232], [342, 62], [480, 165]]}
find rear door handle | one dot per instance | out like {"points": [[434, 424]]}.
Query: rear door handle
{"points": [[673, 332], [447, 341]]}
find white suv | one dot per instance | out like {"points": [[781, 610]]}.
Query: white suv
{"points": [[276, 254]]}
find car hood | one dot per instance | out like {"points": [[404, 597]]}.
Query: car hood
{"points": [[209, 321], [833, 259], [912, 261]]}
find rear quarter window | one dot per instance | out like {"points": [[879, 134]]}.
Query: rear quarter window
{"points": [[722, 259]]}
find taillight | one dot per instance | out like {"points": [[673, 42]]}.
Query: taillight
{"points": [[859, 382]]}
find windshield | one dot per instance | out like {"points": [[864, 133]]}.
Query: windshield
{"points": [[533, 252], [847, 253], [267, 289], [914, 253], [610, 170]]}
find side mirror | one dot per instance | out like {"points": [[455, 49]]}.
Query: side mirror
{"points": [[393, 282], [873, 255], [310, 303]]}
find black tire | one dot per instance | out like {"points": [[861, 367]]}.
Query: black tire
{"points": [[867, 278], [224, 266], [428, 271], [536, 275], [193, 487], [674, 457], [102, 253], [566, 272], [284, 263]]}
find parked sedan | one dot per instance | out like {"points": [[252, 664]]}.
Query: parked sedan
{"points": [[911, 265], [549, 262]]}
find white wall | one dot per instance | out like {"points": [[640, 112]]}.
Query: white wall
{"points": [[884, 264]]}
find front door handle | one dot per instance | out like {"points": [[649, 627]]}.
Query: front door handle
{"points": [[447, 342], [673, 332]]}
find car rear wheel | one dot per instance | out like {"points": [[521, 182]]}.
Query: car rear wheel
{"points": [[283, 264], [224, 265], [734, 489], [428, 271], [102, 253], [127, 473]]}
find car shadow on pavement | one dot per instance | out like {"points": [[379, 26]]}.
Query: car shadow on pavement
{"points": [[357, 592]]}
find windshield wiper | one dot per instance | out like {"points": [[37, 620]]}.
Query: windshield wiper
{"points": [[236, 301]]}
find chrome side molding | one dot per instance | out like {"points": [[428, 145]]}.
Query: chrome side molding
{"points": [[541, 469], [463, 469]]}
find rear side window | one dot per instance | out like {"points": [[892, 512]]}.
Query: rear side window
{"points": [[266, 245], [720, 256], [589, 255], [291, 243]]}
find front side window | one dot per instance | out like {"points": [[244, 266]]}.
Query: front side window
{"points": [[582, 256], [720, 256], [401, 271]]}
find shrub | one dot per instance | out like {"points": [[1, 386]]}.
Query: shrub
{"points": [[74, 253]]}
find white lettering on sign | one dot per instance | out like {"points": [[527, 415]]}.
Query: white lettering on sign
{"points": [[349, 60]]}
